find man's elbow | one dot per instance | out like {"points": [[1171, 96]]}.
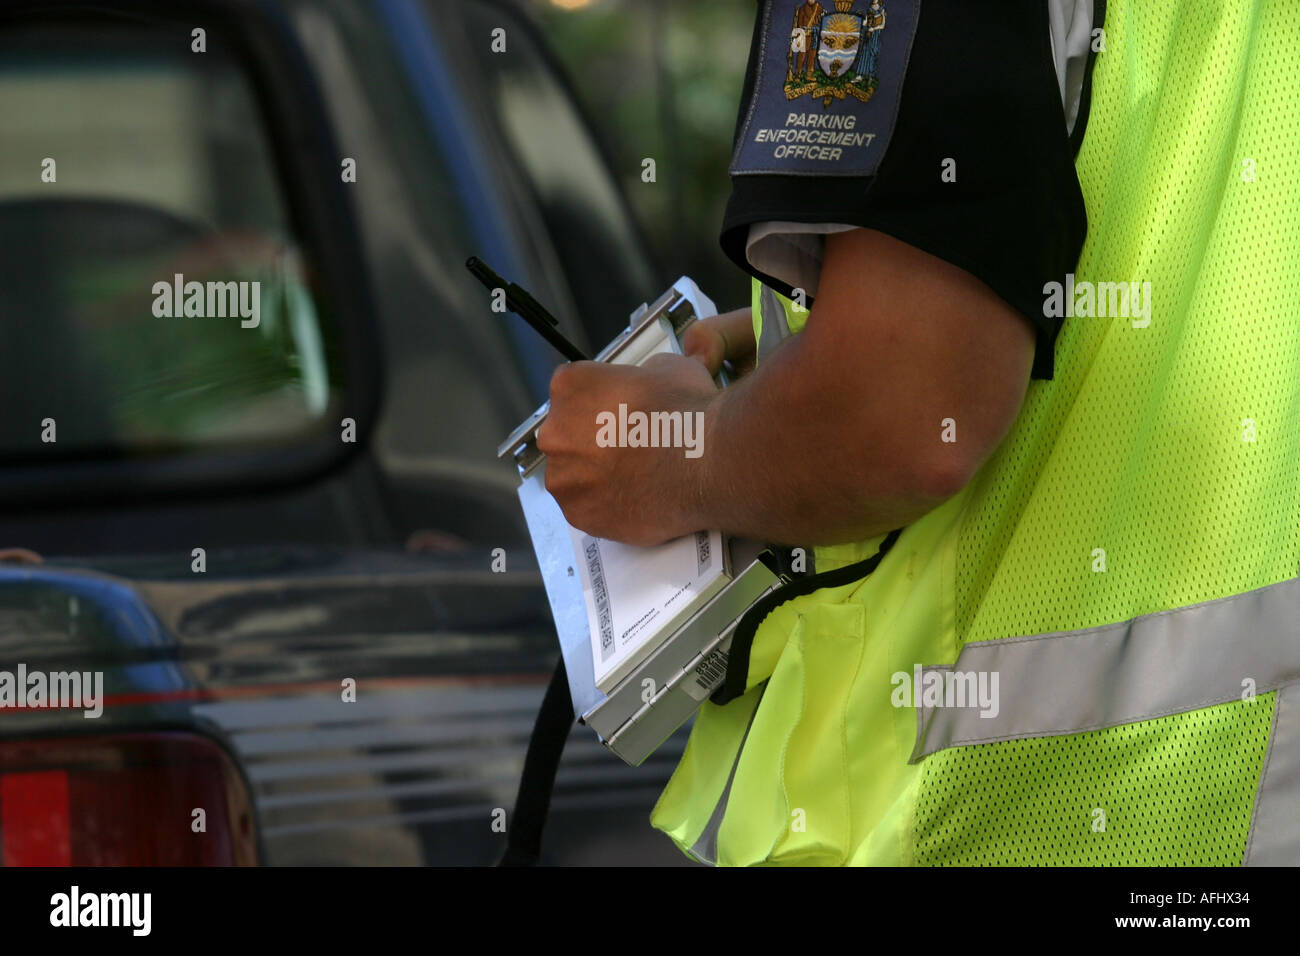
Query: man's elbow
{"points": [[914, 481], [896, 490], [928, 480], [940, 477]]}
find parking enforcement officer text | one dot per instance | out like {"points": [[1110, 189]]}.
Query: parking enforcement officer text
{"points": [[815, 136]]}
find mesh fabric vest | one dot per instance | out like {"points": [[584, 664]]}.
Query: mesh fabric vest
{"points": [[1128, 551]]}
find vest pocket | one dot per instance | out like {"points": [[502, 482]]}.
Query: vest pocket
{"points": [[809, 694], [776, 610]]}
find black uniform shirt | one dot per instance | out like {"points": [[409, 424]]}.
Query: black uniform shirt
{"points": [[951, 125]]}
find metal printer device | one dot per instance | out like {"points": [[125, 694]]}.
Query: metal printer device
{"points": [[668, 686]]}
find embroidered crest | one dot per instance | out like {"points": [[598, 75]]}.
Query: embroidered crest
{"points": [[847, 46], [840, 65]]}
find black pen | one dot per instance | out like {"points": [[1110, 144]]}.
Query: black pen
{"points": [[527, 308]]}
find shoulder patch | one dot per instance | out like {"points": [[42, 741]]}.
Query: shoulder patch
{"points": [[828, 83]]}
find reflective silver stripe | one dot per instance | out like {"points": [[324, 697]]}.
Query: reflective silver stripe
{"points": [[705, 847], [1275, 826], [1152, 666], [773, 329]]}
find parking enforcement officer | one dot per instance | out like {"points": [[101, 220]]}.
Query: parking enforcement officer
{"points": [[1052, 615]]}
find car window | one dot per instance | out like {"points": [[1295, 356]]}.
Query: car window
{"points": [[455, 380], [153, 295], [555, 156]]}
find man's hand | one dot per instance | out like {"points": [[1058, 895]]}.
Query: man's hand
{"points": [[640, 496], [728, 336]]}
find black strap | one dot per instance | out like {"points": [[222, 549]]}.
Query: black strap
{"points": [[545, 747], [733, 684]]}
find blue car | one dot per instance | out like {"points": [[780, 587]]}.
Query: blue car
{"points": [[266, 596]]}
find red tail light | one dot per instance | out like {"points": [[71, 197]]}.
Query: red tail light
{"points": [[123, 800]]}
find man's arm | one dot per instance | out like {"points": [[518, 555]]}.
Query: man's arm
{"points": [[834, 437]]}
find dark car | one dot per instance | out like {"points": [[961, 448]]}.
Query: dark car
{"points": [[251, 407]]}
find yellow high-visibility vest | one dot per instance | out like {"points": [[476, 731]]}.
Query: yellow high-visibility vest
{"points": [[1091, 655]]}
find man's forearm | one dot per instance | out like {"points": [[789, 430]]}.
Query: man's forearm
{"points": [[848, 430], [783, 461]]}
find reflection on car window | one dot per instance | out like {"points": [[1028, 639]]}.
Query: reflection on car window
{"points": [[587, 221], [440, 338], [152, 293]]}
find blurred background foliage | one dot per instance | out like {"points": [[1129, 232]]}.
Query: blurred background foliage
{"points": [[662, 79]]}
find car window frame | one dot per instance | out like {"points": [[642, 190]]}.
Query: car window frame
{"points": [[597, 329], [306, 162]]}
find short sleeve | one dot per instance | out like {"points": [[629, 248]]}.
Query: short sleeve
{"points": [[939, 122]]}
